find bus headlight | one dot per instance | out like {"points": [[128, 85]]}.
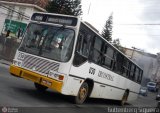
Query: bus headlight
{"points": [[55, 75], [17, 63]]}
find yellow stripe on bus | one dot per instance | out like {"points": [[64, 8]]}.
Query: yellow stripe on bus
{"points": [[35, 77]]}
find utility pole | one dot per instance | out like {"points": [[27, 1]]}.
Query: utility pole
{"points": [[133, 52], [89, 8]]}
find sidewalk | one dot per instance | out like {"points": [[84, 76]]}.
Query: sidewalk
{"points": [[2, 61]]}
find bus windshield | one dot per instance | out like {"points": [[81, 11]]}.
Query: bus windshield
{"points": [[48, 41]]}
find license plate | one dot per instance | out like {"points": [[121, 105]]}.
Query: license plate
{"points": [[46, 82]]}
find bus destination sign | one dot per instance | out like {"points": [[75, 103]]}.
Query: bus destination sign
{"points": [[57, 19]]}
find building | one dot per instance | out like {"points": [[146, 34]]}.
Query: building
{"points": [[148, 62], [19, 11], [39, 3]]}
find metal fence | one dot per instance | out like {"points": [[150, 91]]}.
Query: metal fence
{"points": [[8, 47]]}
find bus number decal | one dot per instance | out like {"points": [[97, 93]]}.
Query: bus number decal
{"points": [[92, 71]]}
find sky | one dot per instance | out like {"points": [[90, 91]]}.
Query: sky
{"points": [[135, 22]]}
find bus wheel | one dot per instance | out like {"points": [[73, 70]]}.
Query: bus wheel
{"points": [[40, 87], [124, 98], [82, 94]]}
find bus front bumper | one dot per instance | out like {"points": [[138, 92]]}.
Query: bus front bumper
{"points": [[37, 78]]}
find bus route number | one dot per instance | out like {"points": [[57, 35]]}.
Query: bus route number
{"points": [[92, 71]]}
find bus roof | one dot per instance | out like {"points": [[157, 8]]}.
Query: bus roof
{"points": [[56, 14]]}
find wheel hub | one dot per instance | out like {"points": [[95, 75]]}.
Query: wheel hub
{"points": [[82, 93]]}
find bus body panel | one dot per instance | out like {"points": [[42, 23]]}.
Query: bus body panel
{"points": [[109, 85], [29, 71], [37, 78]]}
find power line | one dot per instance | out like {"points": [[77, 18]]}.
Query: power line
{"points": [[139, 24], [136, 34], [15, 11], [121, 35]]}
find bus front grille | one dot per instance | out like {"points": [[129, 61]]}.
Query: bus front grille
{"points": [[39, 65]]}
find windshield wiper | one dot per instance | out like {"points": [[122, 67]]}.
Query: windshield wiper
{"points": [[22, 49]]}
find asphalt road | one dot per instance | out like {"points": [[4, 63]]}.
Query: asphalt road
{"points": [[21, 94]]}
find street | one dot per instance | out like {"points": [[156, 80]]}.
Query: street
{"points": [[16, 92]]}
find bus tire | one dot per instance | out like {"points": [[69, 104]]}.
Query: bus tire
{"points": [[82, 93], [124, 98], [40, 87]]}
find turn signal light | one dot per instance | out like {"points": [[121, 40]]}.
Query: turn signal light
{"points": [[60, 77]]}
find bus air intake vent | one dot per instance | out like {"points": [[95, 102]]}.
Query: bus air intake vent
{"points": [[39, 65]]}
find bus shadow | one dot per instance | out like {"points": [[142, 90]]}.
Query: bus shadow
{"points": [[52, 97], [103, 102], [48, 96]]}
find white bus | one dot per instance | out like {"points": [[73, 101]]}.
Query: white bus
{"points": [[65, 54]]}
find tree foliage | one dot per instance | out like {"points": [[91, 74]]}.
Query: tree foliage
{"points": [[107, 30], [68, 7], [117, 44], [107, 34]]}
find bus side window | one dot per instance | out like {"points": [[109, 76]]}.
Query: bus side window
{"points": [[126, 68], [108, 57], [83, 44], [136, 75], [129, 69], [82, 48], [79, 43], [118, 66], [96, 51], [132, 74], [139, 73]]}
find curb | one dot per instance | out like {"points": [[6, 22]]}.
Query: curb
{"points": [[5, 62]]}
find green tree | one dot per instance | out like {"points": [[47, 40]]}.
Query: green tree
{"points": [[107, 30], [68, 7], [117, 44]]}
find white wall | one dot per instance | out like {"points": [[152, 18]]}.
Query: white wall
{"points": [[3, 15], [28, 12]]}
